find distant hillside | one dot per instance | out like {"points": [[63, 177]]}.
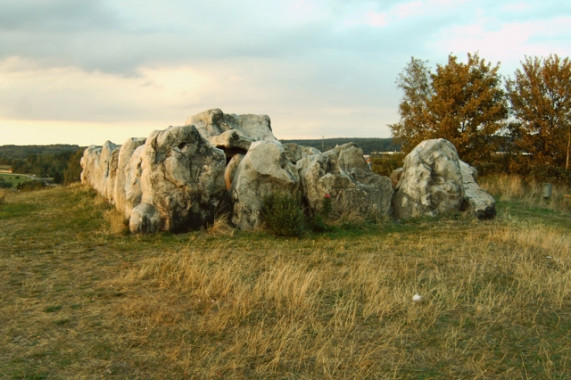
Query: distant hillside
{"points": [[22, 152], [368, 145], [46, 161]]}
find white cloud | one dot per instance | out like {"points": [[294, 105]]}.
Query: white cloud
{"points": [[30, 90], [508, 43]]}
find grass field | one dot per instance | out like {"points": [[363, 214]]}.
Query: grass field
{"points": [[15, 179], [81, 299]]}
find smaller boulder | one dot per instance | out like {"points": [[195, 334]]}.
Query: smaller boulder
{"points": [[295, 152], [481, 204], [145, 218], [342, 175], [232, 142]]}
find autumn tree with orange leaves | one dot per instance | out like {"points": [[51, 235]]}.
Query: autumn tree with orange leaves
{"points": [[540, 97], [461, 102]]}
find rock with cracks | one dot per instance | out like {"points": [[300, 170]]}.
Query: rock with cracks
{"points": [[127, 191], [182, 177], [263, 170], [434, 181], [479, 203], [343, 175], [232, 133]]}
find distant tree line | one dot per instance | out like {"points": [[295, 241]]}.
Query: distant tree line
{"points": [[60, 163], [368, 145], [516, 125]]}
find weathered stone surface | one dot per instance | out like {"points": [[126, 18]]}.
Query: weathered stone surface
{"points": [[127, 191], [476, 201], [431, 181], [177, 179], [295, 152], [344, 174], [133, 173], [232, 142], [144, 219], [99, 166], [111, 175], [90, 164], [182, 177], [435, 181], [263, 170], [396, 176], [214, 122]]}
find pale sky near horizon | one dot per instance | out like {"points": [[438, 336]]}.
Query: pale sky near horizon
{"points": [[82, 72]]}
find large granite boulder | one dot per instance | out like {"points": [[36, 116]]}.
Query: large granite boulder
{"points": [[435, 181], [182, 179], [431, 182], [342, 174], [265, 169]]}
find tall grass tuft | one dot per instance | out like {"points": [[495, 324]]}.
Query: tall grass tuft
{"points": [[221, 226]]}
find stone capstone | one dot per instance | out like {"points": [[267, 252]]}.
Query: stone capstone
{"points": [[232, 133]]}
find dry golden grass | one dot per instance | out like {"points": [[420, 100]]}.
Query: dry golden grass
{"points": [[79, 300], [221, 226], [529, 192]]}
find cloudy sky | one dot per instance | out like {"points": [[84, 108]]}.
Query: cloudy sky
{"points": [[83, 72]]}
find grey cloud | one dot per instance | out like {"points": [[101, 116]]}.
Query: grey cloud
{"points": [[95, 36], [55, 15]]}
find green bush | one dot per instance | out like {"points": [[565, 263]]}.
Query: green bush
{"points": [[31, 186], [282, 214], [384, 164]]}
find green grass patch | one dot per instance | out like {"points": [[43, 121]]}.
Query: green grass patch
{"points": [[15, 179]]}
